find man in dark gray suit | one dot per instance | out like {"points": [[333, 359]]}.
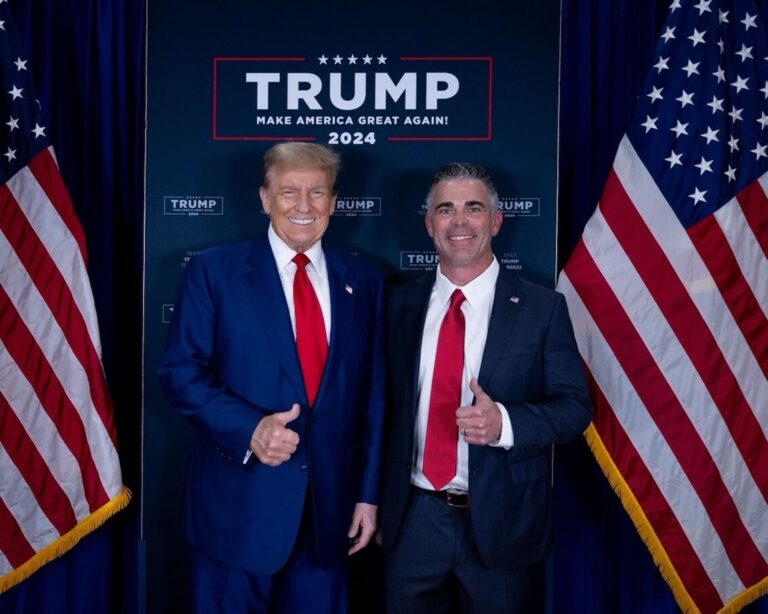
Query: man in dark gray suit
{"points": [[484, 377]]}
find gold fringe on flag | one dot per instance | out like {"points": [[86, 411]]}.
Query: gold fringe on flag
{"points": [[651, 540], [66, 541]]}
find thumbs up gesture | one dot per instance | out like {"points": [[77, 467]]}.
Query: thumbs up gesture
{"points": [[272, 442], [479, 424]]}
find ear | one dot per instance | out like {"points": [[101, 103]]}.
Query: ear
{"points": [[264, 195], [496, 221]]}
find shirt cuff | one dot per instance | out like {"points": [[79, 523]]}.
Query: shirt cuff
{"points": [[247, 457], [507, 438]]}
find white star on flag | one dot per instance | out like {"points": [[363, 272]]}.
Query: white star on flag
{"points": [[698, 196], [650, 123], [716, 104], [656, 94]]}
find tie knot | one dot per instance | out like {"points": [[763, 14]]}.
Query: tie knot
{"points": [[301, 260], [457, 298]]}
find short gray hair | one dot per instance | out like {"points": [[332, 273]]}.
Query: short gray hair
{"points": [[464, 170], [292, 154]]}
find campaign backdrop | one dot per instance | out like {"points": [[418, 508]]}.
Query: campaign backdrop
{"points": [[398, 89]]}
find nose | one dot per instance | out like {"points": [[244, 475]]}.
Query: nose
{"points": [[302, 201], [458, 217]]}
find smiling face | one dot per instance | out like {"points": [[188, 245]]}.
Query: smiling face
{"points": [[462, 221], [299, 201]]}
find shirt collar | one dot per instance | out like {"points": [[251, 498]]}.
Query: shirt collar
{"points": [[284, 254], [474, 291]]}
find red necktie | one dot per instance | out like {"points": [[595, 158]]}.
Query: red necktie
{"points": [[311, 342], [439, 465]]}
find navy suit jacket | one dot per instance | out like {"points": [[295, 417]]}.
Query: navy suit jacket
{"points": [[532, 366], [231, 360]]}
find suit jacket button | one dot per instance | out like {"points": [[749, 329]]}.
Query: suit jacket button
{"points": [[304, 469]]}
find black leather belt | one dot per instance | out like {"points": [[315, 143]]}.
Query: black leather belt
{"points": [[452, 498]]}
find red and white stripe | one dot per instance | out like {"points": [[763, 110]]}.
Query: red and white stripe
{"points": [[58, 460], [672, 326]]}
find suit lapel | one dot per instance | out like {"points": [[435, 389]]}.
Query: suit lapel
{"points": [[264, 287], [413, 316], [507, 302], [342, 290]]}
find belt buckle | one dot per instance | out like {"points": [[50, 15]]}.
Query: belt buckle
{"points": [[456, 499]]}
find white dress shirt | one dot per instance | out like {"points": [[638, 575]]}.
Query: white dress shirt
{"points": [[477, 314], [316, 271]]}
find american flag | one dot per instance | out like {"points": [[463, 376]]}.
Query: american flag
{"points": [[59, 470], [668, 293]]}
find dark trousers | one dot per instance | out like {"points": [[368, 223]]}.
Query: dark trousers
{"points": [[300, 587], [434, 567]]}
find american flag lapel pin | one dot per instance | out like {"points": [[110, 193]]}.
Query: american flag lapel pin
{"points": [[348, 288], [514, 299]]}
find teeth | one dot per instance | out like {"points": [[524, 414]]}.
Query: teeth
{"points": [[460, 238], [302, 221]]}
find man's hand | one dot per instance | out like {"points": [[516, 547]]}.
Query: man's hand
{"points": [[271, 442], [479, 424], [362, 527]]}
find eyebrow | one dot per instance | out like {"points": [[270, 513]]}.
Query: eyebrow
{"points": [[468, 203]]}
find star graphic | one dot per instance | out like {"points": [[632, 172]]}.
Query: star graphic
{"points": [[698, 196], [649, 123], [367, 59], [656, 93], [759, 151], [764, 90], [674, 6], [337, 59], [735, 114], [720, 74], [722, 16], [691, 68], [13, 124], [679, 129], [38, 130], [704, 166], [352, 59], [16, 92], [740, 83], [668, 33], [763, 121], [730, 173], [10, 154], [697, 37], [746, 52], [685, 98], [710, 135], [703, 7], [2, 25], [716, 104], [21, 64], [749, 21], [382, 59], [662, 64], [721, 44], [323, 59], [733, 143], [674, 159]]}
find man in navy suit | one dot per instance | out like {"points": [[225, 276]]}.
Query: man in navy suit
{"points": [[275, 356], [484, 376]]}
